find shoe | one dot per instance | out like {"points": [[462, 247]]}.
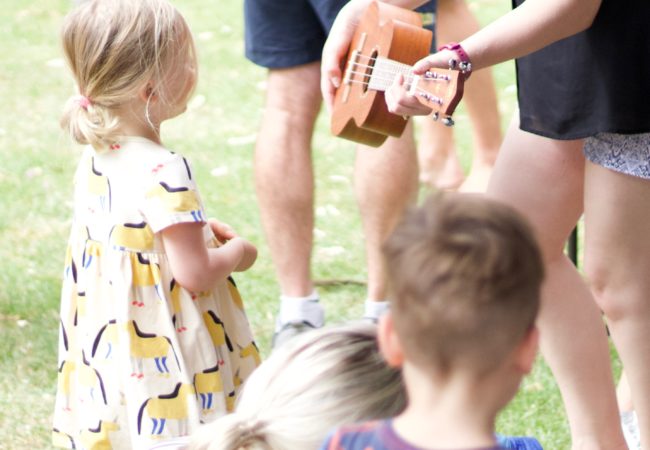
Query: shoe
{"points": [[630, 425], [288, 331], [519, 443]]}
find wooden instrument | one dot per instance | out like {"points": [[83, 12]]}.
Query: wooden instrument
{"points": [[387, 42]]}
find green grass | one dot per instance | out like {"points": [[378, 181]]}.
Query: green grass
{"points": [[217, 132]]}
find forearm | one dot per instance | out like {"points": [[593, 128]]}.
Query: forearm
{"points": [[195, 266], [531, 26], [203, 272]]}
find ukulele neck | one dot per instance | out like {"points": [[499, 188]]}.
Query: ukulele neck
{"points": [[385, 71]]}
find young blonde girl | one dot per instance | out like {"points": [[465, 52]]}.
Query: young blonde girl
{"points": [[153, 336]]}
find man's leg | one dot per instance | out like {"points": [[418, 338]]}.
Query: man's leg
{"points": [[284, 181], [386, 182]]}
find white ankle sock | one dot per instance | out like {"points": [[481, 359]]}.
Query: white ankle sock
{"points": [[299, 309], [375, 309]]}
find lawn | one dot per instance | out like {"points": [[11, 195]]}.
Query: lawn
{"points": [[218, 134]]}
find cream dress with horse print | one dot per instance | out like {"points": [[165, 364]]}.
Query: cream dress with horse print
{"points": [[141, 359]]}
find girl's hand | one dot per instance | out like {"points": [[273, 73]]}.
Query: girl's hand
{"points": [[438, 60], [222, 230], [399, 101], [199, 268], [249, 254]]}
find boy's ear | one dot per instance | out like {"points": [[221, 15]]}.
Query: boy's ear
{"points": [[389, 343], [527, 350]]}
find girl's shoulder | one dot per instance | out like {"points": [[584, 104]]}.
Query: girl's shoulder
{"points": [[158, 160]]}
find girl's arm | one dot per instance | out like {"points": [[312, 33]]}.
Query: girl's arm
{"points": [[199, 268], [531, 26], [528, 28]]}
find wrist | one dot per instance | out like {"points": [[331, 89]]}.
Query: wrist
{"points": [[461, 60]]}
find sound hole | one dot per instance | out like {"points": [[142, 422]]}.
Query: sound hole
{"points": [[370, 67]]}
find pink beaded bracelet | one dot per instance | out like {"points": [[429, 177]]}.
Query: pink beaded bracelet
{"points": [[463, 62]]}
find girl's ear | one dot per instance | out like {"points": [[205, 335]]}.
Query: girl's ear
{"points": [[389, 343], [147, 93]]}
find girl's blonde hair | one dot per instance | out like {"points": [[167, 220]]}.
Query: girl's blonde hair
{"points": [[314, 383], [114, 48]]}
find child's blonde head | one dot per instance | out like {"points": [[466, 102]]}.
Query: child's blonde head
{"points": [[316, 382], [115, 49], [466, 274]]}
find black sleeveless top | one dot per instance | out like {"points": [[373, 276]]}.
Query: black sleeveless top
{"points": [[595, 81]]}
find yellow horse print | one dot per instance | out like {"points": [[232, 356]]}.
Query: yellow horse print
{"points": [[234, 293], [99, 186], [206, 384], [90, 378], [97, 438], [92, 251], [177, 199], [252, 351], [172, 406], [61, 439], [230, 401], [108, 334], [145, 275], [216, 329], [175, 294], [149, 346], [132, 236], [64, 381]]}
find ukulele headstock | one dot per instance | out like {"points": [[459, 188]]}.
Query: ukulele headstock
{"points": [[440, 90]]}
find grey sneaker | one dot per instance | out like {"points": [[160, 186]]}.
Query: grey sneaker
{"points": [[290, 330]]}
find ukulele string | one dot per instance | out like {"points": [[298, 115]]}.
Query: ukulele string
{"points": [[420, 92], [401, 68], [407, 76]]}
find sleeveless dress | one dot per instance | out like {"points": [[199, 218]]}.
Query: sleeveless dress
{"points": [[141, 359]]}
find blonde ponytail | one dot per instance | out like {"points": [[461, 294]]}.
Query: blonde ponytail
{"points": [[89, 123], [115, 49]]}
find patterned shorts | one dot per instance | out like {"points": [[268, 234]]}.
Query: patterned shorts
{"points": [[625, 153]]}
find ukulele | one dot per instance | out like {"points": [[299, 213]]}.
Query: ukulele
{"points": [[387, 42]]}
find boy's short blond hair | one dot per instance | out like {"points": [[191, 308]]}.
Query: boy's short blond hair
{"points": [[466, 274]]}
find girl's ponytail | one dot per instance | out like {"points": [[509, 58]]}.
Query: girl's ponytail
{"points": [[232, 432], [115, 49], [89, 123]]}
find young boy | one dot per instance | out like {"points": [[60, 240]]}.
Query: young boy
{"points": [[466, 274]]}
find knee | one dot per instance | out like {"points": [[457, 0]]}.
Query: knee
{"points": [[614, 299]]}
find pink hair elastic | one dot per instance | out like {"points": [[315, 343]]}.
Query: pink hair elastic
{"points": [[83, 101]]}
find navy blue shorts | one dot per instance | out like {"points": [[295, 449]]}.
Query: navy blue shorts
{"points": [[288, 33]]}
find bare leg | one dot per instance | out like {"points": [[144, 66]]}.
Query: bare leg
{"points": [[284, 176], [543, 179], [623, 395], [385, 181], [456, 22], [438, 160], [617, 262]]}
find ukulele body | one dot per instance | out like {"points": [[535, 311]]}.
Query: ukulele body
{"points": [[360, 114]]}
